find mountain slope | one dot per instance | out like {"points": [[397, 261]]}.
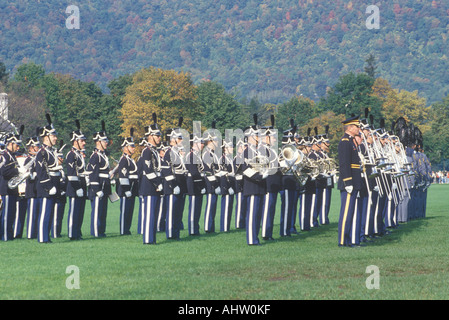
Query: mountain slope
{"points": [[271, 50]]}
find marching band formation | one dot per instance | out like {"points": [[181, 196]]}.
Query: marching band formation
{"points": [[382, 177]]}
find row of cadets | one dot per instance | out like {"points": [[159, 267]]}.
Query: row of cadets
{"points": [[128, 183], [273, 181], [254, 183], [150, 183], [99, 183], [174, 182], [9, 168], [76, 183]]}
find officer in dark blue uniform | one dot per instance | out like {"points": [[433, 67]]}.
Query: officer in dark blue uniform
{"points": [[254, 183], [127, 188], [33, 145], [99, 187], [8, 170], [150, 185], [48, 176], [240, 200], [349, 182], [76, 183], [273, 181], [196, 186]]}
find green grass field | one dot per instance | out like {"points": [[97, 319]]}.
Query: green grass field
{"points": [[413, 262]]}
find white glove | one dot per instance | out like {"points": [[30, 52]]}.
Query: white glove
{"points": [[22, 169], [128, 194], [159, 188], [376, 188], [218, 190], [113, 182], [79, 193], [203, 191], [349, 189], [231, 191], [394, 186], [176, 190], [52, 191], [265, 175], [100, 194]]}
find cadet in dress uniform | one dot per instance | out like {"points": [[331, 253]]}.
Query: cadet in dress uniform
{"points": [[8, 170], [288, 183], [213, 190], [308, 196], [254, 183], [33, 145], [61, 199], [273, 181], [48, 176], [99, 187], [368, 197], [76, 183], [196, 185], [173, 170], [226, 177], [320, 181], [349, 182], [127, 188], [142, 143], [150, 186], [240, 200], [327, 195]]}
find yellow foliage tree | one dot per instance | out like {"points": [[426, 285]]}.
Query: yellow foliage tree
{"points": [[401, 103], [167, 93]]}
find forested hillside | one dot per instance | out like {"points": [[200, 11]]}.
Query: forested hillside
{"points": [[271, 50]]}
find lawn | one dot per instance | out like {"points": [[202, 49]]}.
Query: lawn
{"points": [[412, 262]]}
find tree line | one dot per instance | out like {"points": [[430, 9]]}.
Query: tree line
{"points": [[132, 98]]}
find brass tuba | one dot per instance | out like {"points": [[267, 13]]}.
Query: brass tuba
{"points": [[24, 173], [292, 157]]}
